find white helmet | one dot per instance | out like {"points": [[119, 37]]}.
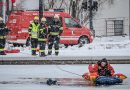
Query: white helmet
{"points": [[1, 19], [56, 16], [43, 19]]}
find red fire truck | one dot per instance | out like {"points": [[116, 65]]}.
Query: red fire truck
{"points": [[73, 32]]}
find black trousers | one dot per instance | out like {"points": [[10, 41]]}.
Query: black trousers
{"points": [[34, 43], [2, 44], [42, 45], [53, 40]]}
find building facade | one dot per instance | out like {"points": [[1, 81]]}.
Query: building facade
{"points": [[112, 18], [5, 9]]}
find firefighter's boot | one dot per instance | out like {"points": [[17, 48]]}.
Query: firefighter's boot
{"points": [[56, 53], [33, 52], [42, 54], [50, 52], [2, 53]]}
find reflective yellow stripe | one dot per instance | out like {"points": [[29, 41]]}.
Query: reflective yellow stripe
{"points": [[2, 49], [61, 28], [30, 27], [49, 50], [54, 33], [40, 39], [33, 48], [41, 50], [2, 37], [29, 32], [41, 29], [35, 27], [49, 27], [34, 34], [56, 50]]}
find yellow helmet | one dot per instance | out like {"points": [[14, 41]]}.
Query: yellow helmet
{"points": [[56, 16], [1, 19], [36, 18], [43, 19]]}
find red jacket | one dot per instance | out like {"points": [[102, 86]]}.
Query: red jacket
{"points": [[94, 68]]}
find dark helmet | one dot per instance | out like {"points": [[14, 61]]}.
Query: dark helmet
{"points": [[103, 60]]}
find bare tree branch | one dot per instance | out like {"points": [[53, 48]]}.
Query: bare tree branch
{"points": [[61, 3], [70, 6]]}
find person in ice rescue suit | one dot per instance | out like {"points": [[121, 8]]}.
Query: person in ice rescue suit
{"points": [[54, 32], [33, 32], [3, 32], [102, 68], [42, 36]]}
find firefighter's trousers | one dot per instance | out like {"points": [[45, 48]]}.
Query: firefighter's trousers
{"points": [[53, 40], [2, 45], [34, 44], [42, 45]]}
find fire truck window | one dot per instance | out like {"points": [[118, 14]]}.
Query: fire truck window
{"points": [[50, 20], [70, 22]]}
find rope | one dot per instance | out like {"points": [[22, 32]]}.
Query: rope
{"points": [[67, 71]]}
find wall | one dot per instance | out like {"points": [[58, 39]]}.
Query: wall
{"points": [[118, 10]]}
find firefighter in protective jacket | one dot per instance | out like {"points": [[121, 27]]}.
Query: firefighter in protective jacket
{"points": [[33, 31], [54, 32], [102, 68], [42, 36], [3, 32]]}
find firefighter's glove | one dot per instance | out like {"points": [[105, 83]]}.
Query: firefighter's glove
{"points": [[83, 75], [29, 34], [61, 28], [55, 42], [108, 73]]}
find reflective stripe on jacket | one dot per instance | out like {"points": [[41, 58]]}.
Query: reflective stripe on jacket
{"points": [[2, 37]]}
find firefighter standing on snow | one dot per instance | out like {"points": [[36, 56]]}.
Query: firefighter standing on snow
{"points": [[42, 36], [33, 31], [3, 32], [54, 33]]}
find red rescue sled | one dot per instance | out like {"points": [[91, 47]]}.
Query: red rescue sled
{"points": [[12, 51]]}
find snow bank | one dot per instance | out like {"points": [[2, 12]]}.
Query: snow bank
{"points": [[101, 46]]}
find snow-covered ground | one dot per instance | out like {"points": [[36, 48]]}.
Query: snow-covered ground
{"points": [[101, 46], [106, 46], [14, 72]]}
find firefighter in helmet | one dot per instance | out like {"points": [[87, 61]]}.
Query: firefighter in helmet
{"points": [[54, 32], [102, 68], [33, 32], [3, 32], [42, 37]]}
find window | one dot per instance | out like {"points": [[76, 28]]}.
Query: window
{"points": [[118, 26], [50, 20], [69, 22], [114, 27]]}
